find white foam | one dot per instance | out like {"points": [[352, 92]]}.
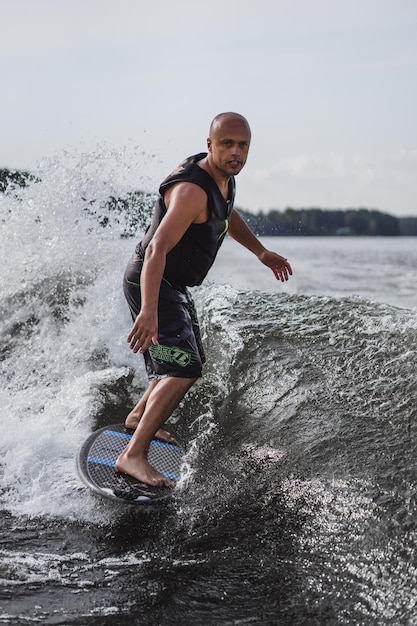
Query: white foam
{"points": [[64, 327]]}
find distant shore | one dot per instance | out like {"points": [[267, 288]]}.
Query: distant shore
{"points": [[317, 222], [291, 222]]}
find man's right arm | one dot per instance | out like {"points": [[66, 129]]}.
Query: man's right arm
{"points": [[145, 328], [186, 204]]}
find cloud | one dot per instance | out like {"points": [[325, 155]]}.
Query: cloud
{"points": [[386, 182], [306, 167], [328, 87], [398, 166]]}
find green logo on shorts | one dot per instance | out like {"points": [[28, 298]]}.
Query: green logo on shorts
{"points": [[172, 354]]}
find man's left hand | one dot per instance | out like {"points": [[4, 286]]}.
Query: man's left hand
{"points": [[278, 264]]}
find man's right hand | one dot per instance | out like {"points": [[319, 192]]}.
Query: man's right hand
{"points": [[143, 333]]}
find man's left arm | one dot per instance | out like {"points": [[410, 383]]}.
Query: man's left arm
{"points": [[240, 231]]}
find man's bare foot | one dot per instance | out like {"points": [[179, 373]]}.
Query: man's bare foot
{"points": [[138, 467], [161, 434]]}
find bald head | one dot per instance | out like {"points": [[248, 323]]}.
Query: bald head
{"points": [[226, 120], [228, 145]]}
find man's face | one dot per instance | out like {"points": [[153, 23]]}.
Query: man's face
{"points": [[229, 147]]}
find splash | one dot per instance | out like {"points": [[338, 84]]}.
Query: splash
{"points": [[63, 322]]}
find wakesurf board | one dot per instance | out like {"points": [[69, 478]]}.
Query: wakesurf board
{"points": [[96, 466]]}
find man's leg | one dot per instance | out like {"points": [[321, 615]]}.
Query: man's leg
{"points": [[162, 400], [134, 417]]}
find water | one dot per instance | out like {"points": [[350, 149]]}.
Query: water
{"points": [[299, 501]]}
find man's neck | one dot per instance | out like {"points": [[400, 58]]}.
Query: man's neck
{"points": [[220, 179]]}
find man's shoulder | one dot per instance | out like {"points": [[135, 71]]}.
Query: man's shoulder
{"points": [[189, 172], [185, 192]]}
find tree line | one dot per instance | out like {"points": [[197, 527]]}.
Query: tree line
{"points": [[136, 209], [319, 222]]}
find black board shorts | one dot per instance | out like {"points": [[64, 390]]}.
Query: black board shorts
{"points": [[179, 352]]}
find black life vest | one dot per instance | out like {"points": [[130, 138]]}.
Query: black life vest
{"points": [[188, 263]]}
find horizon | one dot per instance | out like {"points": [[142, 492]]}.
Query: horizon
{"points": [[257, 212]]}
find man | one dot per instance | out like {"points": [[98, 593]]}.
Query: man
{"points": [[192, 215]]}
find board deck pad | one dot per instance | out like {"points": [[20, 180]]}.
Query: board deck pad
{"points": [[96, 466]]}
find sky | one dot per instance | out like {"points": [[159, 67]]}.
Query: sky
{"points": [[329, 88]]}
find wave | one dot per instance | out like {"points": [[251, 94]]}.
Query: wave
{"points": [[327, 383], [300, 437]]}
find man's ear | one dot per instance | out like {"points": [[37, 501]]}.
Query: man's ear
{"points": [[209, 144]]}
